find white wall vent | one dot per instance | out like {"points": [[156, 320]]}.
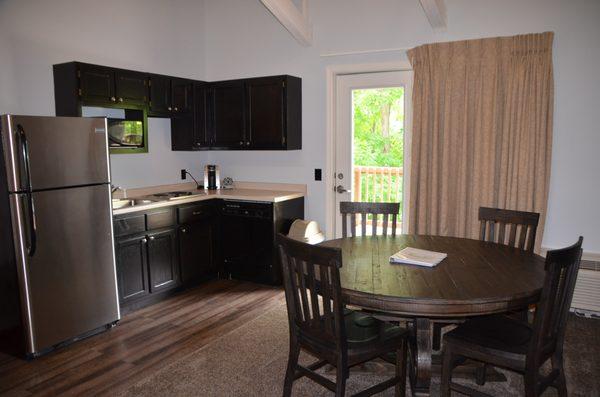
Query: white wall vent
{"points": [[586, 298]]}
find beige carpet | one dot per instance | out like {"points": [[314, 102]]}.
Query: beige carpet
{"points": [[251, 361]]}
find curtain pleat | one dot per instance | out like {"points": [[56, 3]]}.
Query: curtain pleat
{"points": [[482, 131]]}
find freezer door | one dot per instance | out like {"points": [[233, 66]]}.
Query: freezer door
{"points": [[54, 152], [69, 281]]}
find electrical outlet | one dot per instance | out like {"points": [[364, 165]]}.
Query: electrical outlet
{"points": [[183, 174]]}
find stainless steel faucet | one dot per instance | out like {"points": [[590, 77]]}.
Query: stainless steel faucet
{"points": [[115, 188]]}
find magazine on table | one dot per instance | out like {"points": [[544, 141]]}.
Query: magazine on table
{"points": [[419, 257]]}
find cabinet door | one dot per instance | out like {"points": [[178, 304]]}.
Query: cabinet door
{"points": [[202, 135], [163, 260], [195, 248], [182, 132], [228, 114], [97, 83], [131, 87], [132, 273], [182, 94], [265, 113], [160, 95]]}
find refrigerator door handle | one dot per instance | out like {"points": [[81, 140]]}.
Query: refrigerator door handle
{"points": [[32, 243]]}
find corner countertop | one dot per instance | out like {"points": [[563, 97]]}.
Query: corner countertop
{"points": [[245, 191]]}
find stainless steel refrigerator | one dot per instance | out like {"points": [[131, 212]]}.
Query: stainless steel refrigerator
{"points": [[58, 264]]}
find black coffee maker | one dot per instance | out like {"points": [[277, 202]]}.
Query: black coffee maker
{"points": [[212, 181]]}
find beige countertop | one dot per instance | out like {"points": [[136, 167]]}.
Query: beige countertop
{"points": [[250, 192]]}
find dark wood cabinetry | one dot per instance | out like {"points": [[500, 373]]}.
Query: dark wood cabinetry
{"points": [[228, 125], [163, 261], [132, 268], [196, 245], [261, 113]]}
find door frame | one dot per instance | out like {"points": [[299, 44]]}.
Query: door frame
{"points": [[332, 72]]}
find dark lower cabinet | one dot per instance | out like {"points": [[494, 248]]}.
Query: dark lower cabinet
{"points": [[196, 251], [132, 268], [163, 264]]}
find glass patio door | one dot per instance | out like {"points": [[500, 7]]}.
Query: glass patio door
{"points": [[372, 138]]}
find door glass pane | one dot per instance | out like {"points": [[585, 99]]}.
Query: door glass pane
{"points": [[378, 146]]}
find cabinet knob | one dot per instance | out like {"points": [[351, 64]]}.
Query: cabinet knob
{"points": [[176, 109], [241, 143], [183, 230], [112, 98], [248, 143], [120, 99], [144, 241], [151, 238], [169, 108]]}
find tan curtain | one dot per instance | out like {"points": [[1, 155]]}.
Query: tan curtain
{"points": [[482, 131]]}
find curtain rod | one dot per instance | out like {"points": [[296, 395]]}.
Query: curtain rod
{"points": [[337, 54]]}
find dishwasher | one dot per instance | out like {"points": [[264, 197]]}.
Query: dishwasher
{"points": [[247, 242]]}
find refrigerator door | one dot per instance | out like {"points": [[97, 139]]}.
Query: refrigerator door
{"points": [[69, 281], [54, 152]]}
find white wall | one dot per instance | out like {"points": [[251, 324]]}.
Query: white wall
{"points": [[150, 35], [246, 40], [240, 38]]}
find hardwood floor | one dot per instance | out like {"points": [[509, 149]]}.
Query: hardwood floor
{"points": [[143, 342]]}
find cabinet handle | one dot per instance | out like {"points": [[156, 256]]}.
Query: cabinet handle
{"points": [[197, 213], [151, 238], [112, 98], [120, 99], [169, 108], [144, 241]]}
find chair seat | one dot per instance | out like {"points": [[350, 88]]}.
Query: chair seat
{"points": [[497, 335], [369, 337]]}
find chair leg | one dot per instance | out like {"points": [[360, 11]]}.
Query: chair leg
{"points": [[446, 378], [560, 382], [291, 369], [340, 380], [400, 390], [480, 374], [437, 336]]}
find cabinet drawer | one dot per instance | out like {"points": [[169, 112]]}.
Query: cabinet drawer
{"points": [[129, 225], [160, 218], [193, 212]]}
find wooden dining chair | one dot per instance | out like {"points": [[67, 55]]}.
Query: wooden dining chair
{"points": [[497, 226], [321, 326], [355, 209], [519, 227], [513, 344]]}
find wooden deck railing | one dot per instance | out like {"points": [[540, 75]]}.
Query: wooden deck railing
{"points": [[378, 184]]}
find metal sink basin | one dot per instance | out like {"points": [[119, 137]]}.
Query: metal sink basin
{"points": [[122, 203]]}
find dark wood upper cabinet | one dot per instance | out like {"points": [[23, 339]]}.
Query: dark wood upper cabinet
{"points": [[182, 132], [96, 83], [160, 95], [131, 87], [163, 263], [132, 268], [203, 136], [228, 115], [182, 95], [265, 98]]}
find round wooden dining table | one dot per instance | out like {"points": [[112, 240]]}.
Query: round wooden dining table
{"points": [[476, 278]]}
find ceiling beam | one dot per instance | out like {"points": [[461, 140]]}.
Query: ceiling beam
{"points": [[293, 19], [436, 13]]}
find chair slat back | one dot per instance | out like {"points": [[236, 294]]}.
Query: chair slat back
{"points": [[311, 278], [362, 210], [552, 310], [521, 225]]}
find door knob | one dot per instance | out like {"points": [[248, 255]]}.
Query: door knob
{"points": [[340, 189]]}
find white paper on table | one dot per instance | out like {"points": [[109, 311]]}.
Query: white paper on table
{"points": [[419, 257]]}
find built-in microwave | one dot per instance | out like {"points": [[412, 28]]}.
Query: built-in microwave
{"points": [[126, 129]]}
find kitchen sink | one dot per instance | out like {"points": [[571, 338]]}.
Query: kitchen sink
{"points": [[122, 203]]}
